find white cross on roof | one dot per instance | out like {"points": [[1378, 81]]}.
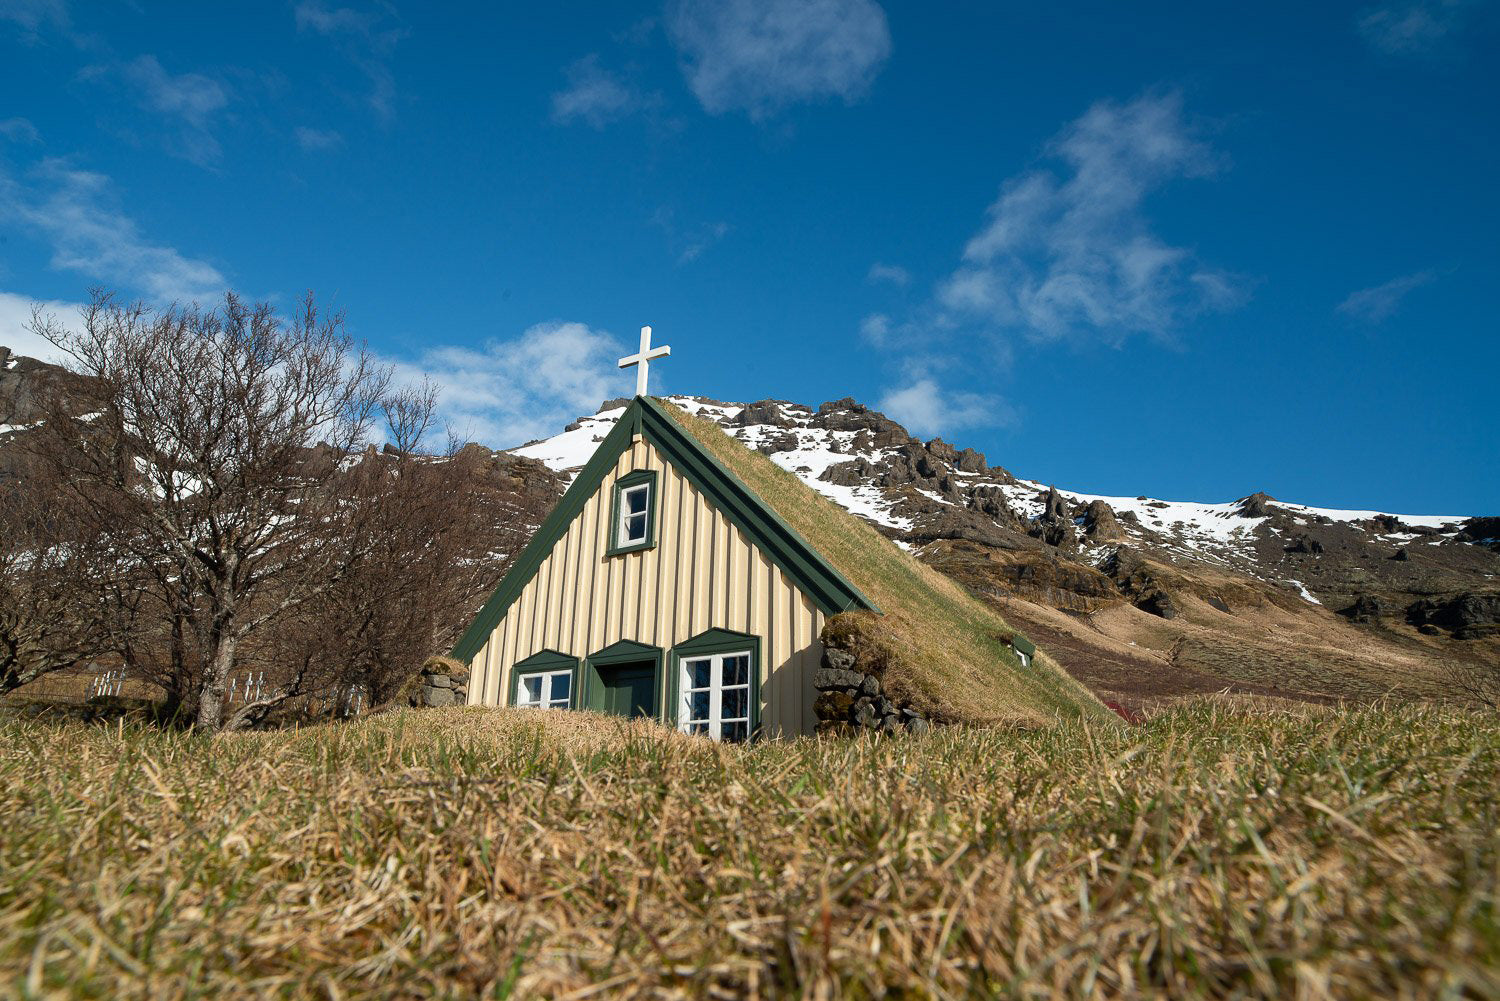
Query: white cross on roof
{"points": [[642, 360]]}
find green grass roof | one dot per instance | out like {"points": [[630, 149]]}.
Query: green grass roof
{"points": [[941, 647]]}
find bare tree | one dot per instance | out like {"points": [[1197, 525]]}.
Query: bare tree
{"points": [[1474, 683], [202, 459], [51, 571]]}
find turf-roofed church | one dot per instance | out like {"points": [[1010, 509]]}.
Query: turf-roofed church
{"points": [[661, 586]]}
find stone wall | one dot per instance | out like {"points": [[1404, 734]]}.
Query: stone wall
{"points": [[850, 700], [444, 682]]}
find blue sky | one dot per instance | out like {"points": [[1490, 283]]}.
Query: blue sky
{"points": [[1157, 249]]}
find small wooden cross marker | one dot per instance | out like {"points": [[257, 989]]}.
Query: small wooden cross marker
{"points": [[642, 360]]}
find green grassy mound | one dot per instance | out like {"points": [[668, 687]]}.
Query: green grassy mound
{"points": [[1213, 852], [942, 647]]}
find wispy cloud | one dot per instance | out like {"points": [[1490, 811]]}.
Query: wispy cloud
{"points": [[704, 238], [892, 274], [191, 102], [317, 140], [367, 37], [1071, 251], [19, 130], [876, 329], [1380, 302], [15, 319], [688, 242], [595, 96], [75, 212], [33, 15], [1423, 28], [512, 391], [928, 408], [759, 56]]}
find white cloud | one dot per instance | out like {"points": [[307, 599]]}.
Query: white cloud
{"points": [[367, 38], [1376, 304], [74, 211], [317, 140], [19, 130], [594, 95], [1071, 251], [512, 391], [876, 328], [761, 55], [1423, 28], [191, 100], [892, 273], [15, 317], [927, 409]]}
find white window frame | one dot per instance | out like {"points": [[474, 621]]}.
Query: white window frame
{"points": [[546, 699], [716, 689], [622, 535]]}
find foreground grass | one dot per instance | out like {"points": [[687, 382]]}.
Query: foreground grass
{"points": [[1215, 852]]}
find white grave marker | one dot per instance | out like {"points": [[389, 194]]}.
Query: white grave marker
{"points": [[642, 359]]}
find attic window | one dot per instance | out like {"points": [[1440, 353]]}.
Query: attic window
{"points": [[634, 512], [634, 505]]}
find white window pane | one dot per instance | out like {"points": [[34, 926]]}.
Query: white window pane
{"points": [[531, 690], [735, 733], [562, 687], [736, 704], [698, 705], [635, 528], [635, 500]]}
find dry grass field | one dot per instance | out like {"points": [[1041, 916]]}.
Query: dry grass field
{"points": [[1220, 850]]}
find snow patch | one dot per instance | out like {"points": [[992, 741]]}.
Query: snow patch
{"points": [[1306, 594], [572, 449], [1333, 514]]}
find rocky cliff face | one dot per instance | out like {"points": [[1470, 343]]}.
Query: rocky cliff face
{"points": [[1144, 598]]}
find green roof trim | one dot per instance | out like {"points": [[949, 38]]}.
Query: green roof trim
{"points": [[828, 589]]}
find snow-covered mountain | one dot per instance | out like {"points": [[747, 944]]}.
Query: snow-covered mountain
{"points": [[1141, 596]]}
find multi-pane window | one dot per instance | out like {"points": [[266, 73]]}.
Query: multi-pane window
{"points": [[635, 515], [716, 696], [551, 690]]}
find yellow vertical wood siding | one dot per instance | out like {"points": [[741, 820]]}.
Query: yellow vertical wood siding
{"points": [[703, 573]]}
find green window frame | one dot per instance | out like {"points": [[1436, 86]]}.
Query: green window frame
{"points": [[546, 663], [628, 485], [713, 645]]}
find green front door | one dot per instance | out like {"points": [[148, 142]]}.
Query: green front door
{"points": [[629, 689]]}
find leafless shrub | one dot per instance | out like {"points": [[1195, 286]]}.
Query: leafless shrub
{"points": [[1474, 683], [201, 460], [53, 574]]}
